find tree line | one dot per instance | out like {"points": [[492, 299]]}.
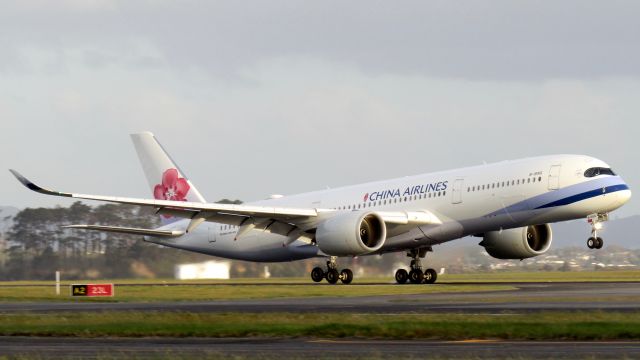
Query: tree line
{"points": [[37, 245]]}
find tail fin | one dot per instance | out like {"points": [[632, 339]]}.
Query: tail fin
{"points": [[166, 180]]}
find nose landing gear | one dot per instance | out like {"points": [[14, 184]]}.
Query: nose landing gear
{"points": [[595, 242], [417, 275], [332, 275]]}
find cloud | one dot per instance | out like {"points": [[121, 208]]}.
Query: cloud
{"points": [[285, 98], [499, 40]]}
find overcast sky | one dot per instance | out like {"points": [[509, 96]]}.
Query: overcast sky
{"points": [[253, 98]]}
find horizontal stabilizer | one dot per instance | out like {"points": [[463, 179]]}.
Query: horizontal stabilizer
{"points": [[126, 230]]}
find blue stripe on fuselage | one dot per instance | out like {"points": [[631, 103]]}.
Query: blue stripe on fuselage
{"points": [[566, 195], [585, 195]]}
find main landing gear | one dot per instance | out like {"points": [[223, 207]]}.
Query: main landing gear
{"points": [[595, 242], [332, 275], [417, 275]]}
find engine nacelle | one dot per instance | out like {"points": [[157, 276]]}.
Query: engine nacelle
{"points": [[351, 234], [518, 243]]}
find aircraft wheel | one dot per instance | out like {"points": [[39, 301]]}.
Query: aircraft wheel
{"points": [[416, 276], [591, 243], [346, 276], [332, 276], [599, 243], [317, 274], [402, 276], [430, 276]]}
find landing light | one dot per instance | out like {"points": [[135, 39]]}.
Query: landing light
{"points": [[598, 226]]}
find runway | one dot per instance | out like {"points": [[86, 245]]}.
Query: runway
{"points": [[105, 348], [528, 297]]}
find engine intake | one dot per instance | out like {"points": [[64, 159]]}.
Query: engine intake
{"points": [[351, 234], [518, 243]]}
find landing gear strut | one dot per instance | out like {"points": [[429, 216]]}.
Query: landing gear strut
{"points": [[417, 275], [332, 275], [595, 242]]}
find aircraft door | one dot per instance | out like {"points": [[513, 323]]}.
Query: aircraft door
{"points": [[213, 229], [458, 184], [554, 177]]}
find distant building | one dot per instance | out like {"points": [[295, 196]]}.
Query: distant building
{"points": [[206, 270]]}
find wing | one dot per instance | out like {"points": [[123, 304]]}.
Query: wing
{"points": [[286, 221]]}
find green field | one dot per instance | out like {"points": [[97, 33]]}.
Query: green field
{"points": [[163, 289], [150, 293], [544, 326], [490, 288], [538, 276]]}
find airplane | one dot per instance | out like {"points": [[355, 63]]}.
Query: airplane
{"points": [[508, 204]]}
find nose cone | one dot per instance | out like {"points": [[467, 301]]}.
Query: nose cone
{"points": [[620, 197], [624, 196]]}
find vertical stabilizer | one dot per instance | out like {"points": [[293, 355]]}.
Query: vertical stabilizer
{"points": [[166, 180]]}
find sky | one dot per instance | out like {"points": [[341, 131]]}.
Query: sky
{"points": [[253, 98]]}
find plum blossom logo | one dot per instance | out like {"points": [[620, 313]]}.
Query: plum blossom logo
{"points": [[366, 197], [173, 187]]}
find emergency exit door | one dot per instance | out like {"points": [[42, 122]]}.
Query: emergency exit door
{"points": [[554, 177], [458, 184]]}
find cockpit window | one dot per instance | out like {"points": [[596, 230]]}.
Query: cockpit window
{"points": [[595, 171]]}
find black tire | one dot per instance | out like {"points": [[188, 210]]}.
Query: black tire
{"points": [[332, 276], [402, 276], [317, 274], [430, 276], [346, 276], [599, 243], [416, 276], [591, 243]]}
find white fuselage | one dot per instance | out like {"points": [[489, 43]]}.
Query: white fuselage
{"points": [[467, 201]]}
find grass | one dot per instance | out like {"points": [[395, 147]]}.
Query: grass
{"points": [[156, 293], [149, 290], [534, 276], [541, 326], [544, 276]]}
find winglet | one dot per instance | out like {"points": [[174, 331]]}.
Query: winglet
{"points": [[32, 186]]}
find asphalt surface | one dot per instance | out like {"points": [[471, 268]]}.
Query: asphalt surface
{"points": [[176, 348], [528, 297]]}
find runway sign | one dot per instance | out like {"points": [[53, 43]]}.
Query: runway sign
{"points": [[92, 290]]}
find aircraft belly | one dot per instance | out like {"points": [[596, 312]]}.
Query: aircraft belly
{"points": [[254, 246]]}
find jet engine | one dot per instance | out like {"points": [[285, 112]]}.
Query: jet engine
{"points": [[518, 243], [351, 234]]}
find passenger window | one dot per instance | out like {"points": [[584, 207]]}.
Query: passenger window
{"points": [[539, 178], [529, 181], [443, 193]]}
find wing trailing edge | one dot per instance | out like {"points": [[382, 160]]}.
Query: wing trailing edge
{"points": [[127, 230]]}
